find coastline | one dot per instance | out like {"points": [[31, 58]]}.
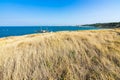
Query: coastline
{"points": [[61, 55]]}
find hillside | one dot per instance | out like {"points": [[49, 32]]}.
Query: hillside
{"points": [[105, 25], [79, 55]]}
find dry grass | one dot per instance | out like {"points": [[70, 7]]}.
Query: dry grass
{"points": [[80, 55]]}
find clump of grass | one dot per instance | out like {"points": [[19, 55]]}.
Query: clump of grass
{"points": [[79, 55]]}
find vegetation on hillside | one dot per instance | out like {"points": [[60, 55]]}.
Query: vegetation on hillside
{"points": [[105, 25], [80, 55]]}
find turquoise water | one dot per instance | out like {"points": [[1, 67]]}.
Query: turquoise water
{"points": [[23, 30]]}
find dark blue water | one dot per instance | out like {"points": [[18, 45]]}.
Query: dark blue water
{"points": [[17, 30]]}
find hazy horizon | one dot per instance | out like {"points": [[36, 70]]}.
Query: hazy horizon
{"points": [[54, 12]]}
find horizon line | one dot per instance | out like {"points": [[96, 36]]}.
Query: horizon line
{"points": [[61, 25]]}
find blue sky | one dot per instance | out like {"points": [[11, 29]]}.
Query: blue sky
{"points": [[58, 12]]}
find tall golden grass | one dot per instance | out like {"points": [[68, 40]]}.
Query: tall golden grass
{"points": [[79, 55]]}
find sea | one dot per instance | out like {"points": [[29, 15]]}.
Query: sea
{"points": [[6, 31]]}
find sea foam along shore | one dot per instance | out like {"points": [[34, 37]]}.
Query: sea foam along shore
{"points": [[77, 55]]}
